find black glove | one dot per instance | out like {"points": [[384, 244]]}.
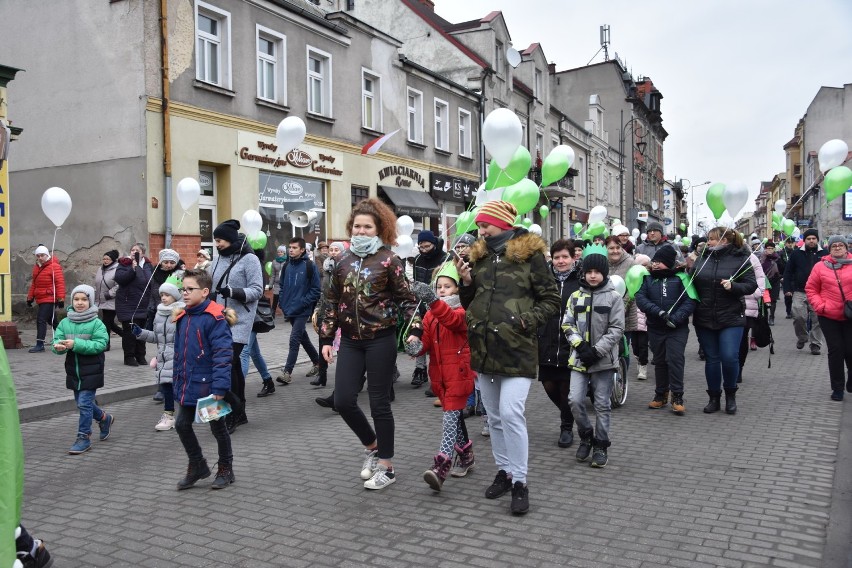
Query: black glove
{"points": [[587, 354], [60, 304], [136, 330], [239, 294], [225, 292], [424, 293], [29, 303], [670, 323]]}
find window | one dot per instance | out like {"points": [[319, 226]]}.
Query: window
{"points": [[537, 85], [359, 194], [442, 125], [415, 116], [207, 206], [539, 145], [271, 66], [319, 82], [464, 133], [524, 141], [371, 100], [213, 46], [499, 57]]}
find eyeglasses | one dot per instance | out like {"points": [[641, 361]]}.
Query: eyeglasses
{"points": [[838, 245], [188, 290]]}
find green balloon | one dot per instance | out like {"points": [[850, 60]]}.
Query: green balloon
{"points": [[523, 195], [258, 240], [268, 268], [554, 168], [595, 229], [776, 217], [633, 279], [578, 227], [788, 227], [526, 222], [714, 200], [516, 170], [543, 210], [837, 182], [686, 241], [682, 226], [466, 222]]}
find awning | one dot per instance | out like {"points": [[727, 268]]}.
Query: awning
{"points": [[556, 192], [408, 202]]}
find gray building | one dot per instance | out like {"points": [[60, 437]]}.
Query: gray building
{"points": [[129, 103]]}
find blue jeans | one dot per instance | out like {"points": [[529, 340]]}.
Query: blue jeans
{"points": [[253, 350], [299, 337], [722, 352], [85, 400]]}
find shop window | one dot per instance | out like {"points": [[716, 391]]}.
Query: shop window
{"points": [[371, 100], [359, 194], [442, 125], [464, 133], [271, 66], [213, 45], [415, 116], [280, 195], [319, 82]]}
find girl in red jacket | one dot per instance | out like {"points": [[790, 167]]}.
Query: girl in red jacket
{"points": [[48, 291], [444, 339], [828, 287]]}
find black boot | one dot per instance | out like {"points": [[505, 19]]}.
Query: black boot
{"points": [[715, 402], [566, 435], [224, 476], [327, 402], [194, 472], [322, 377], [267, 389], [585, 447], [731, 401]]}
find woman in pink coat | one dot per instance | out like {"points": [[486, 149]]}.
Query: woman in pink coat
{"points": [[829, 283]]}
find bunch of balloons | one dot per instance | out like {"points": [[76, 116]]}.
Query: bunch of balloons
{"points": [[405, 245], [730, 197], [251, 224], [838, 178]]}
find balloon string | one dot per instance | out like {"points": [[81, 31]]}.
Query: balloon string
{"points": [[132, 316], [53, 277], [182, 217], [688, 284]]}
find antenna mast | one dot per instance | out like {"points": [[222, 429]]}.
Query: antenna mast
{"points": [[605, 41]]}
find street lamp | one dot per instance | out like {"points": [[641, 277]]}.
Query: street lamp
{"points": [[692, 199], [641, 145]]}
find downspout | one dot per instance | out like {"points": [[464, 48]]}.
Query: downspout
{"points": [[483, 171], [167, 134]]}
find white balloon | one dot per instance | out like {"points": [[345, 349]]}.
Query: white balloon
{"points": [[481, 197], [56, 204], [643, 236], [501, 134], [619, 284], [634, 233], [780, 206], [632, 239], [565, 150], [796, 233], [403, 246], [251, 222], [735, 197], [290, 133], [597, 214], [535, 229], [404, 226], [495, 194], [832, 154], [188, 191]]}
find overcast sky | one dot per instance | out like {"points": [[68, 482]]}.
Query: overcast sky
{"points": [[736, 76]]}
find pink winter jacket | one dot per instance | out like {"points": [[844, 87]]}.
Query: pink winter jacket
{"points": [[823, 291], [751, 305]]}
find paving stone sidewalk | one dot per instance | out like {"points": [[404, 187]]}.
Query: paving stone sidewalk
{"points": [[754, 489]]}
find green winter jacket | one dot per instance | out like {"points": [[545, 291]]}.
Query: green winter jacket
{"points": [[512, 294], [84, 364]]}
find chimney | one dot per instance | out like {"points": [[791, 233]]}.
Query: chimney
{"points": [[551, 68], [429, 4]]}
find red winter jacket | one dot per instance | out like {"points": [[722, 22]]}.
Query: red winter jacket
{"points": [[48, 285], [822, 288], [445, 340]]}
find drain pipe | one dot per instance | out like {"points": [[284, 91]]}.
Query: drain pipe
{"points": [[167, 134]]}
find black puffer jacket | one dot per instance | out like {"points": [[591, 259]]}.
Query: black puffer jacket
{"points": [[720, 308], [553, 347], [426, 263], [664, 290], [799, 267], [133, 287]]}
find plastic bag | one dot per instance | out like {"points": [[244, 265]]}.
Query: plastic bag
{"points": [[208, 408]]}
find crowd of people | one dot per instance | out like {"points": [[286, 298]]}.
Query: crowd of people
{"points": [[483, 322]]}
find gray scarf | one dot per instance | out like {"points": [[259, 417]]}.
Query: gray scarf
{"points": [[497, 243], [365, 246], [165, 310], [88, 314]]}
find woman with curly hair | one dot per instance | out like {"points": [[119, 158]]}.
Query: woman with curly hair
{"points": [[366, 289]]}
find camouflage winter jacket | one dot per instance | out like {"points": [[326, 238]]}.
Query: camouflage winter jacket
{"points": [[364, 295], [512, 294]]}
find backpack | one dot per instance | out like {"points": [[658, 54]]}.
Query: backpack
{"points": [[762, 332]]}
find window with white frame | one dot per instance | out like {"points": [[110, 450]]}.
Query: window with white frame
{"points": [[539, 144], [464, 133], [271, 66], [371, 100], [524, 140], [442, 125], [537, 85], [499, 57], [319, 82], [415, 116], [213, 45]]}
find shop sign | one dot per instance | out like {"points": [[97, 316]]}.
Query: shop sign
{"points": [[404, 176], [642, 216], [449, 188], [290, 193], [261, 154]]}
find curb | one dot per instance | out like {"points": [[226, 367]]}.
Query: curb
{"points": [[50, 408]]}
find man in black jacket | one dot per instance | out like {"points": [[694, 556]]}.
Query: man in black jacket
{"points": [[431, 257], [796, 273], [783, 258]]}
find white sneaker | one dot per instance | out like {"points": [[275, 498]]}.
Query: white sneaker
{"points": [[381, 478], [167, 422], [643, 372], [371, 460], [485, 431]]}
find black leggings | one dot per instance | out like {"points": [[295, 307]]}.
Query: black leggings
{"points": [[557, 392], [108, 317], [838, 339], [133, 348], [46, 315], [378, 357], [238, 379]]}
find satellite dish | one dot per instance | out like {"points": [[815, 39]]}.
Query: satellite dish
{"points": [[513, 57], [654, 204]]}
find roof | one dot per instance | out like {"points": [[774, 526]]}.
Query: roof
{"points": [[531, 48], [794, 141], [519, 85], [441, 25]]}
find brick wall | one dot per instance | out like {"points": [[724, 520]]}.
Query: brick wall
{"points": [[185, 245]]}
